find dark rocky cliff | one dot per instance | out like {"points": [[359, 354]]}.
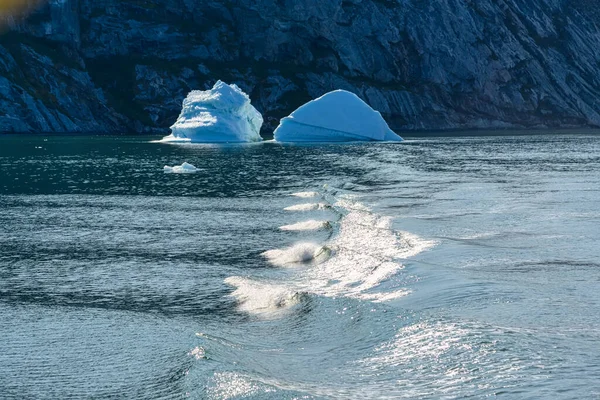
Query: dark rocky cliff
{"points": [[126, 65]]}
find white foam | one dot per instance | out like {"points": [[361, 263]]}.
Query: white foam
{"points": [[265, 299], [367, 253], [412, 245], [184, 168], [307, 207], [310, 225], [305, 195], [350, 204], [198, 353], [299, 253]]}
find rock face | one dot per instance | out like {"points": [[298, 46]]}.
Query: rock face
{"points": [[125, 65]]}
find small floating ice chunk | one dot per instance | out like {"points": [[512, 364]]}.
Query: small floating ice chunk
{"points": [[305, 195], [307, 207], [221, 114], [184, 168], [337, 116], [311, 225]]}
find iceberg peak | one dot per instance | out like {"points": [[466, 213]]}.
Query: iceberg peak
{"points": [[221, 114], [337, 116]]}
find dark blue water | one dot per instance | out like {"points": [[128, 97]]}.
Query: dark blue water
{"points": [[444, 267]]}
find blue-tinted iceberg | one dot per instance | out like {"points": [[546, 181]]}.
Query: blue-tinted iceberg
{"points": [[221, 114], [337, 116]]}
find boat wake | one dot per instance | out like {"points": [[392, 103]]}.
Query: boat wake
{"points": [[368, 253], [360, 261]]}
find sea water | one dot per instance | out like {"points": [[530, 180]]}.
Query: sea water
{"points": [[441, 267]]}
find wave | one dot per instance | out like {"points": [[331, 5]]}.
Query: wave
{"points": [[198, 353], [310, 225], [305, 195], [455, 353], [298, 253], [265, 299], [368, 252], [361, 261], [308, 207]]}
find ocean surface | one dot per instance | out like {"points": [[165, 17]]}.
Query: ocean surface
{"points": [[437, 268]]}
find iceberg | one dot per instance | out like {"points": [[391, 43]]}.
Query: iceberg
{"points": [[222, 114], [184, 168], [338, 116]]}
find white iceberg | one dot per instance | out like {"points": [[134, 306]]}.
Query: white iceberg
{"points": [[184, 168], [221, 114], [337, 116]]}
